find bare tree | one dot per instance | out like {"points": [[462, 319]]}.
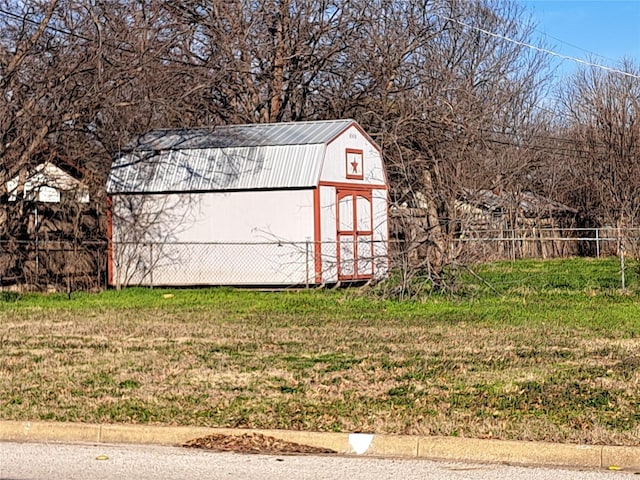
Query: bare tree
{"points": [[78, 80], [442, 95], [269, 53], [603, 111], [437, 82]]}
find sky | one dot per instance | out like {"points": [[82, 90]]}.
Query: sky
{"points": [[602, 31]]}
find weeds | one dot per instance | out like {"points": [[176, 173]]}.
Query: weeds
{"points": [[527, 358]]}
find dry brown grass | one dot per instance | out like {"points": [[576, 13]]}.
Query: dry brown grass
{"points": [[223, 362]]}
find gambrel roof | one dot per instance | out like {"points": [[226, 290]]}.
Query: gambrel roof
{"points": [[235, 157]]}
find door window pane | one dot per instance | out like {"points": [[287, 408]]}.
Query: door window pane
{"points": [[347, 256], [346, 213], [363, 210], [365, 260]]}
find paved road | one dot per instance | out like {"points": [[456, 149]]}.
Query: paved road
{"points": [[40, 461]]}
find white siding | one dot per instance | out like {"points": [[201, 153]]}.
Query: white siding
{"points": [[335, 162], [334, 171], [328, 231], [45, 183], [214, 238]]}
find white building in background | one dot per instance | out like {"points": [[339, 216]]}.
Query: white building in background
{"points": [[265, 204], [46, 183]]}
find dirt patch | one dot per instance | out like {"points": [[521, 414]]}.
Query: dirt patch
{"points": [[251, 443]]}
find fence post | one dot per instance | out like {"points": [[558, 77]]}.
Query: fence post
{"points": [[624, 286], [35, 231], [151, 264], [513, 244], [306, 262], [597, 243]]}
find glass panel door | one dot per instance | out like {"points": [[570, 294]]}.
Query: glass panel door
{"points": [[354, 235]]}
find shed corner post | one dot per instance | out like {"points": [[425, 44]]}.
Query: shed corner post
{"points": [[317, 237], [109, 214]]}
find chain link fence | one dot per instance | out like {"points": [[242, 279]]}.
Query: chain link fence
{"points": [[545, 243], [53, 265], [69, 266], [203, 263], [276, 263]]}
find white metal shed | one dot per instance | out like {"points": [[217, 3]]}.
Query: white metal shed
{"points": [[265, 204]]}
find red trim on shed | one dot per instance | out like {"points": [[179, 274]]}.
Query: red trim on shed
{"points": [[370, 139], [354, 167], [353, 186], [357, 126], [109, 241], [355, 233], [317, 236]]}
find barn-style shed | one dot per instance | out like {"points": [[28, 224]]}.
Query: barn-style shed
{"points": [[265, 204]]}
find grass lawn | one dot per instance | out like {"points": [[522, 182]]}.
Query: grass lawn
{"points": [[528, 350]]}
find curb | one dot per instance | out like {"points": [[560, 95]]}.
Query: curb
{"points": [[403, 446]]}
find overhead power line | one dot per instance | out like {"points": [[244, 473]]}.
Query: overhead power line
{"points": [[444, 17], [51, 28], [575, 46], [556, 149], [539, 49], [62, 31]]}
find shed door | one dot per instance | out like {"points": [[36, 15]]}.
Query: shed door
{"points": [[355, 235]]}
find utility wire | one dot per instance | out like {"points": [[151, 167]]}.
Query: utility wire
{"points": [[69, 33], [539, 49], [570, 148], [444, 17], [574, 46], [554, 149], [15, 16]]}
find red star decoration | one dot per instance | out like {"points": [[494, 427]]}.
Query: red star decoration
{"points": [[355, 165]]}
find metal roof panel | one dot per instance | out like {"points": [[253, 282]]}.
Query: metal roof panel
{"points": [[253, 135], [217, 169], [235, 157]]}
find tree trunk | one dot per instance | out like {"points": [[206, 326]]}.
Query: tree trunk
{"points": [[436, 254]]}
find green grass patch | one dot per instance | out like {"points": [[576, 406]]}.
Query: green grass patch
{"points": [[562, 276], [526, 350]]}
